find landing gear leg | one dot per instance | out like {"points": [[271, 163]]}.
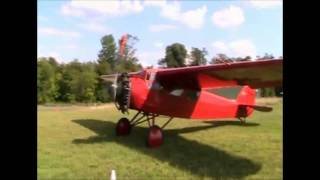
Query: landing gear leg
{"points": [[155, 135], [123, 127], [242, 120]]}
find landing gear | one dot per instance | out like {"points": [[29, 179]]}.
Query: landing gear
{"points": [[123, 127], [155, 136], [242, 120]]}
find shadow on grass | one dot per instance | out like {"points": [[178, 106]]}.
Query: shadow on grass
{"points": [[179, 152], [231, 123]]}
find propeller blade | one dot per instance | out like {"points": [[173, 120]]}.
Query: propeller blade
{"points": [[109, 78], [112, 78], [115, 86]]}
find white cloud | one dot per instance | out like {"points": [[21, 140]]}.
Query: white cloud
{"points": [[155, 3], [238, 48], [194, 18], [265, 4], [228, 17], [150, 58], [57, 32], [243, 48], [191, 18], [161, 27], [220, 47], [95, 27], [171, 10], [158, 44], [107, 8]]}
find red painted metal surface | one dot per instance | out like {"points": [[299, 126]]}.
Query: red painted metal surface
{"points": [[204, 105], [184, 92]]}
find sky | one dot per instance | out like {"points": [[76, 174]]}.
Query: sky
{"points": [[69, 30]]}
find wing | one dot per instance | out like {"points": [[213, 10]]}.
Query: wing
{"points": [[256, 74]]}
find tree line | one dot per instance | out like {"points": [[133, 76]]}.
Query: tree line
{"points": [[79, 81]]}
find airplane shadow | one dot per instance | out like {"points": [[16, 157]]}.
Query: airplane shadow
{"points": [[196, 158]]}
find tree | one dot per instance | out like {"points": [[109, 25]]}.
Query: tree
{"points": [[175, 56], [128, 62], [46, 82], [266, 56], [247, 58], [197, 57], [220, 58], [79, 82], [107, 55], [270, 91], [106, 65], [129, 50]]}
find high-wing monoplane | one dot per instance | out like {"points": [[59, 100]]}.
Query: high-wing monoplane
{"points": [[211, 92]]}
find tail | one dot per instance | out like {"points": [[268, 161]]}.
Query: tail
{"points": [[246, 100], [247, 96]]}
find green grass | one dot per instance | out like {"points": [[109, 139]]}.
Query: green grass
{"points": [[80, 143]]}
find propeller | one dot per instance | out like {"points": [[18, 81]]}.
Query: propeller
{"points": [[120, 90], [120, 82]]}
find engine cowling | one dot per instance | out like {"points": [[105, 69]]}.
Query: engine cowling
{"points": [[122, 92]]}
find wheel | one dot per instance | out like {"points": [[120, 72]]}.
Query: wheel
{"points": [[123, 127], [155, 137]]}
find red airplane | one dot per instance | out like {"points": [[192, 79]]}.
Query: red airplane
{"points": [[199, 92]]}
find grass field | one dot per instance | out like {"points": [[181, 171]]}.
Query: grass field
{"points": [[79, 142]]}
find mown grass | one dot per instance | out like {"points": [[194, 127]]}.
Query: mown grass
{"points": [[80, 143]]}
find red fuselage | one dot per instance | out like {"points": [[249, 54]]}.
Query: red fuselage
{"points": [[147, 95]]}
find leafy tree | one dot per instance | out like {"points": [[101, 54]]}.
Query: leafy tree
{"points": [[266, 56], [107, 58], [198, 57], [221, 58], [107, 55], [270, 91], [80, 80], [46, 81], [175, 56], [128, 62], [247, 58]]}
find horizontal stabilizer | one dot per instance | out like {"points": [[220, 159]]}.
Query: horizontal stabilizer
{"points": [[260, 108]]}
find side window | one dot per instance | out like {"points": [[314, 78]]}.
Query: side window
{"points": [[227, 92], [176, 92], [192, 95], [156, 85]]}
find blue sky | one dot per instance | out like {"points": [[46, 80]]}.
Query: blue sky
{"points": [[73, 29]]}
